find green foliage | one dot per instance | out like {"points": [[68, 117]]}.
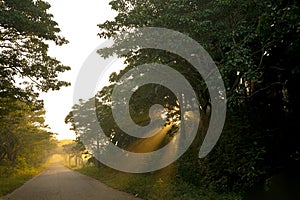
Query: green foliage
{"points": [[140, 103], [25, 144], [255, 45], [25, 26], [75, 150], [23, 138], [238, 161], [17, 177]]}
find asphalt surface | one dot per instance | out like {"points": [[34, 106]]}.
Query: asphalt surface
{"points": [[60, 183]]}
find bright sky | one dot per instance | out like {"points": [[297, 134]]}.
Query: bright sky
{"points": [[78, 22]]}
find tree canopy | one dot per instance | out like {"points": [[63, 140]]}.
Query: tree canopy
{"points": [[24, 138], [255, 45], [26, 27]]}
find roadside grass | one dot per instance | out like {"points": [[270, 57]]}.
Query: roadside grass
{"points": [[154, 186], [12, 182], [12, 178]]}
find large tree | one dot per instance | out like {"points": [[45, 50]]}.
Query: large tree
{"points": [[255, 45], [24, 139], [26, 28]]}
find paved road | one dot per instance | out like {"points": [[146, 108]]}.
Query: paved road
{"points": [[60, 183]]}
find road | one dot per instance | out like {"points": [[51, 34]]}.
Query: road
{"points": [[60, 183]]}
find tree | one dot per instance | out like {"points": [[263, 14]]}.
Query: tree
{"points": [[75, 150], [82, 121], [25, 27], [255, 45], [24, 139]]}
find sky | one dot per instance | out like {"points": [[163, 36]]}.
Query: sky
{"points": [[78, 23]]}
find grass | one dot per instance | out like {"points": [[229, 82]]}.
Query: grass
{"points": [[9, 184], [13, 178], [162, 184], [154, 186]]}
